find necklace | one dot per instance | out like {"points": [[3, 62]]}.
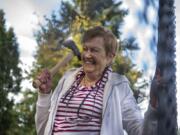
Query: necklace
{"points": [[87, 83], [99, 85], [79, 118]]}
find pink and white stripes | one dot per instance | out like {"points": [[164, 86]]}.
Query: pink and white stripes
{"points": [[80, 109]]}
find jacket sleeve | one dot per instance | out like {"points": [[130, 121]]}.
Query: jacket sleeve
{"points": [[133, 122], [45, 102], [43, 106], [42, 112]]}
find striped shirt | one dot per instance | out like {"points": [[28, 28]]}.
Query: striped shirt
{"points": [[80, 109]]}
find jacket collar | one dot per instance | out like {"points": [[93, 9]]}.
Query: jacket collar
{"points": [[113, 80], [69, 77]]}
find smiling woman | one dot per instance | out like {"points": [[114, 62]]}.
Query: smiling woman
{"points": [[92, 99], [97, 44]]}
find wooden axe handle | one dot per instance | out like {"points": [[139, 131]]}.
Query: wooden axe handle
{"points": [[36, 83]]}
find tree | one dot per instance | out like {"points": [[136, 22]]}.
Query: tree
{"points": [[166, 92], [10, 75], [25, 123]]}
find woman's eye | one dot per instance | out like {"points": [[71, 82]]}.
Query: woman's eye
{"points": [[85, 49], [95, 50]]}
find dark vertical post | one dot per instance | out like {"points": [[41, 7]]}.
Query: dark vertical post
{"points": [[166, 92]]}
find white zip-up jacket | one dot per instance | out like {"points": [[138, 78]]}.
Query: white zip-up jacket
{"points": [[120, 111]]}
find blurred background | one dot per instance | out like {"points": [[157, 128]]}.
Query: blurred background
{"points": [[31, 29]]}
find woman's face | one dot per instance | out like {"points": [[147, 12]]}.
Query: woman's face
{"points": [[94, 57]]}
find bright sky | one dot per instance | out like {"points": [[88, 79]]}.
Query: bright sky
{"points": [[24, 15]]}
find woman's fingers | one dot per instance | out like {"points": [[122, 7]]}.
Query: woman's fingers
{"points": [[45, 79]]}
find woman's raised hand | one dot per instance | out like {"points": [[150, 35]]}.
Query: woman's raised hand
{"points": [[44, 81]]}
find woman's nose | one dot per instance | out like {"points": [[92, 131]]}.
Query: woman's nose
{"points": [[87, 53]]}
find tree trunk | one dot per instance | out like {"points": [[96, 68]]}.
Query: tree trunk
{"points": [[167, 106]]}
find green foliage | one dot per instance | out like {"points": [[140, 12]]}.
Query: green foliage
{"points": [[10, 75], [25, 112]]}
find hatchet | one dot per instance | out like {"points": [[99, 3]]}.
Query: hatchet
{"points": [[75, 51]]}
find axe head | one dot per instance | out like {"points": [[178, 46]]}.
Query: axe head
{"points": [[72, 45]]}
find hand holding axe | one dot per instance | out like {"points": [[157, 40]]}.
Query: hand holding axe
{"points": [[69, 44]]}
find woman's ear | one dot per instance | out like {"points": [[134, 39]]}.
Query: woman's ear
{"points": [[111, 57]]}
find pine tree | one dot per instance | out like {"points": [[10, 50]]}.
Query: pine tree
{"points": [[10, 74]]}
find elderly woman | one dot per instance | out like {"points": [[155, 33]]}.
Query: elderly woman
{"points": [[91, 100]]}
